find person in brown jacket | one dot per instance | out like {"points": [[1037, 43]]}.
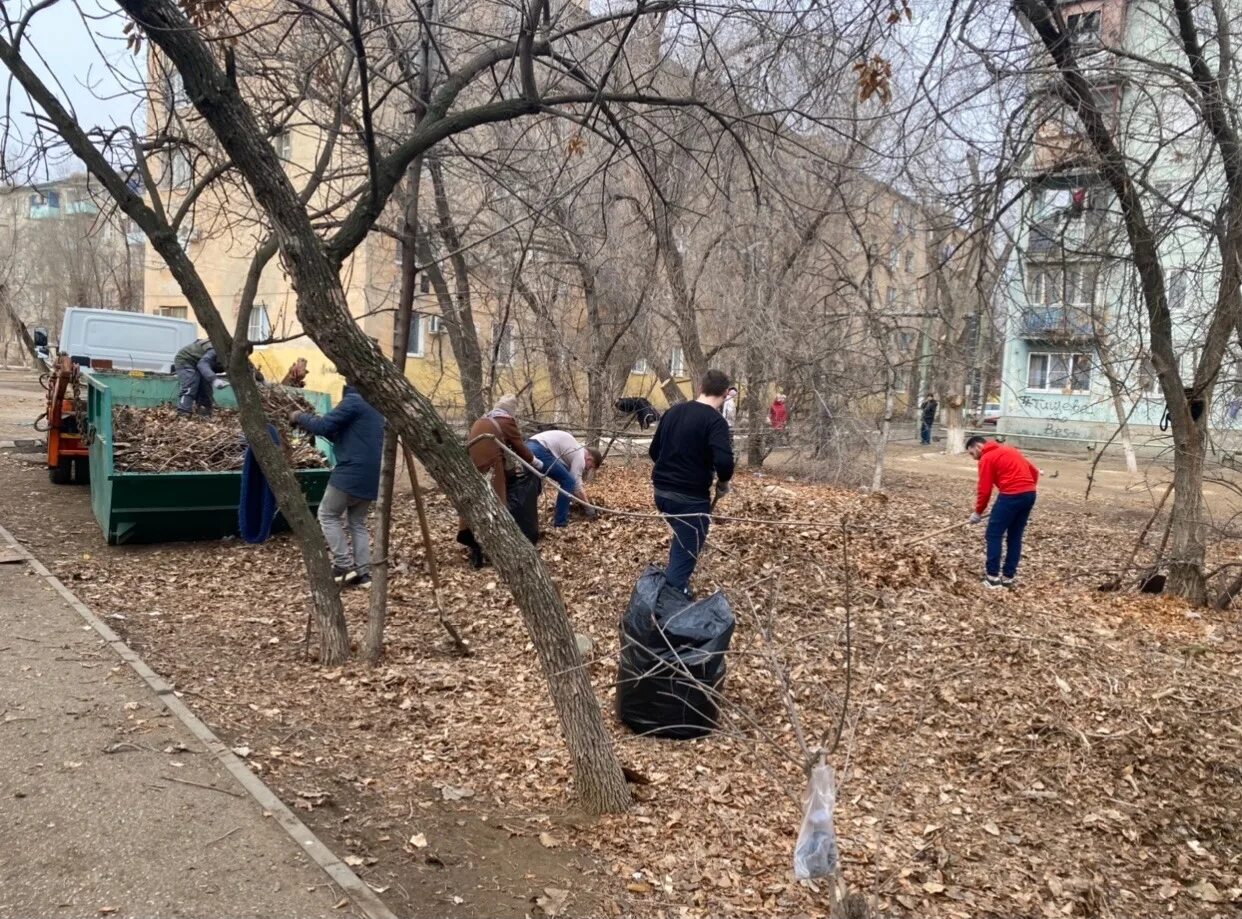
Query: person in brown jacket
{"points": [[494, 462], [297, 374]]}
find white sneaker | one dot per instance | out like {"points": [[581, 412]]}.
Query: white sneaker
{"points": [[992, 583]]}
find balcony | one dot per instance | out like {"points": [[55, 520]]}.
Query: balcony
{"points": [[1057, 324]]}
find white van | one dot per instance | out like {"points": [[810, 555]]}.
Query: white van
{"points": [[131, 341]]}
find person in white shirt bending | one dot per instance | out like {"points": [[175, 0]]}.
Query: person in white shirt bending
{"points": [[566, 462]]}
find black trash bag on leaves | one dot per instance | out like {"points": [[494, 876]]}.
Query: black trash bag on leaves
{"points": [[672, 659], [523, 499]]}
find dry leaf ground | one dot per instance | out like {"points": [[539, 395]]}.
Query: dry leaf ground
{"points": [[1056, 751]]}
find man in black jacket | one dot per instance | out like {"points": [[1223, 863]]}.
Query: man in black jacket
{"points": [[691, 445], [927, 412]]}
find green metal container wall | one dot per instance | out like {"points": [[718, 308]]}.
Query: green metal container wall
{"points": [[163, 506]]}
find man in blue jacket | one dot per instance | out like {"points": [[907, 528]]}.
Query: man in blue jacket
{"points": [[691, 446], [357, 434]]}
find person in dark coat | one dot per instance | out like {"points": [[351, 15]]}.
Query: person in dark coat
{"points": [[356, 431], [691, 446], [640, 408], [198, 371], [927, 418], [499, 467]]}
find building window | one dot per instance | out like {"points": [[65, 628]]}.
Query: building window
{"points": [[891, 297], [504, 345], [910, 260], [1054, 372], [282, 143], [182, 168], [894, 260], [424, 282], [640, 366], [1177, 289], [1075, 285], [1148, 382], [1084, 28], [413, 345], [176, 312], [677, 363], [174, 87], [260, 328]]}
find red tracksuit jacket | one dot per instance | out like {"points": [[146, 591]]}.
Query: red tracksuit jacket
{"points": [[1004, 468]]}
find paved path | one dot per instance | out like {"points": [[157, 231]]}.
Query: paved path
{"points": [[108, 803]]}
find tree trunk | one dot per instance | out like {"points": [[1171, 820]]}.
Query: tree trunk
{"points": [[463, 337], [377, 609], [756, 389], [324, 312], [466, 348], [886, 427], [1186, 575], [597, 403], [954, 424], [1123, 425], [325, 594]]}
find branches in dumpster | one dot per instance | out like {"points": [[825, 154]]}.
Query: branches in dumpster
{"points": [[160, 439]]}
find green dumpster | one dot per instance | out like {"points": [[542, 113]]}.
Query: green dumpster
{"points": [[163, 506]]}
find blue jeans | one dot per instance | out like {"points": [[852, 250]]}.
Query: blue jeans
{"points": [[1008, 521], [689, 537], [559, 473], [925, 431]]}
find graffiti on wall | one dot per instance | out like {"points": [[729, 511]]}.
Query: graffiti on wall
{"points": [[1054, 408], [1050, 429]]}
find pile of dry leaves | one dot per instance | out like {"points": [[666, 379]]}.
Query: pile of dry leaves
{"points": [[1054, 751], [160, 439]]}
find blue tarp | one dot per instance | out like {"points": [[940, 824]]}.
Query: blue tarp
{"points": [[257, 508]]}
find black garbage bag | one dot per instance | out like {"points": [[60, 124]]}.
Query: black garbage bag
{"points": [[672, 659], [523, 499]]}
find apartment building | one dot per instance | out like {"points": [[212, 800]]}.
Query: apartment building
{"points": [[1075, 359], [62, 245]]}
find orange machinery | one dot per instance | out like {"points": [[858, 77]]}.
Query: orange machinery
{"points": [[68, 453]]}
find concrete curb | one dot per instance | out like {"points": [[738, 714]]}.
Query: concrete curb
{"points": [[362, 896]]}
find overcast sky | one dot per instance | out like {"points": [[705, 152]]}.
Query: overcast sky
{"points": [[84, 53]]}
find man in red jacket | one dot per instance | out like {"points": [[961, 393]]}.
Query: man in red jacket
{"points": [[1004, 468]]}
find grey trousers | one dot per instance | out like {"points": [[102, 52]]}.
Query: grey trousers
{"points": [[340, 511]]}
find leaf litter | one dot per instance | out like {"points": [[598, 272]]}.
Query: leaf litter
{"points": [[1051, 751]]}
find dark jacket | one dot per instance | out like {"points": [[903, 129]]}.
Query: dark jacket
{"points": [[640, 408], [691, 443], [357, 434], [200, 355], [929, 410]]}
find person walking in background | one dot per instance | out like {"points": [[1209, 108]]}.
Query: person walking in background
{"points": [[1005, 469], [198, 371], [357, 434], [927, 412], [296, 375], [494, 462], [566, 462], [691, 445], [729, 408]]}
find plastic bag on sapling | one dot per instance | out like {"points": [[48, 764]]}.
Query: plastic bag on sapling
{"points": [[815, 854]]}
